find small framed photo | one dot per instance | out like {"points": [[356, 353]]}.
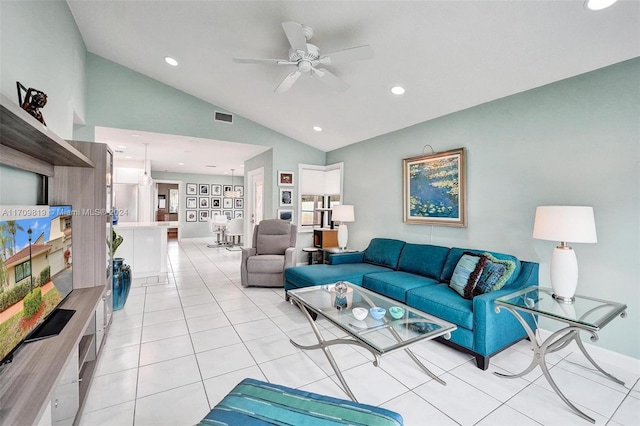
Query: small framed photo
{"points": [[238, 203], [285, 214], [240, 189], [216, 190], [215, 212], [215, 202], [204, 189], [228, 214], [238, 214], [227, 203], [203, 215], [192, 202], [204, 203], [192, 189], [192, 216], [286, 197], [285, 178], [226, 188]]}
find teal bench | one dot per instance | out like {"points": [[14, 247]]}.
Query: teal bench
{"points": [[253, 402]]}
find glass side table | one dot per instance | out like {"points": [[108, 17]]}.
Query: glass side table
{"points": [[585, 314]]}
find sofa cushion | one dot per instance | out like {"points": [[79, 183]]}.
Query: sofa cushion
{"points": [[456, 253], [465, 267], [274, 237], [495, 273], [441, 301], [423, 259], [384, 252], [254, 402], [306, 276], [395, 284], [266, 264]]}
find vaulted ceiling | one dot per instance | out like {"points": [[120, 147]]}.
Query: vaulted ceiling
{"points": [[448, 55]]}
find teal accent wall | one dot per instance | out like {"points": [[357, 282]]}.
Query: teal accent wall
{"points": [[18, 187], [42, 48], [574, 142]]}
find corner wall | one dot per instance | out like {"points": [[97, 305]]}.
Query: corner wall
{"points": [[576, 142]]}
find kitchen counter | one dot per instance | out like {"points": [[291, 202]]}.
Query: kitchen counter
{"points": [[144, 246]]}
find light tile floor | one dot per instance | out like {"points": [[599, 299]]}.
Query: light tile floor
{"points": [[185, 339]]}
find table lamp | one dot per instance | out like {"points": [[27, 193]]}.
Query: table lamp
{"points": [[566, 224], [342, 214]]}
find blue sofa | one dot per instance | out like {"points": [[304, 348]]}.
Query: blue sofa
{"points": [[418, 275]]}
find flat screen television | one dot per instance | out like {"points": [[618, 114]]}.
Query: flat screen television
{"points": [[36, 260]]}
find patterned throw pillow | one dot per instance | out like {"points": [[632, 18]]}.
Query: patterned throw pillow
{"points": [[494, 275], [465, 267]]}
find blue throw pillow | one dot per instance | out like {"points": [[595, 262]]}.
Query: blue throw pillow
{"points": [[495, 274], [465, 267]]}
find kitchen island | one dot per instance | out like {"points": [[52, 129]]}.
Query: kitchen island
{"points": [[144, 246]]}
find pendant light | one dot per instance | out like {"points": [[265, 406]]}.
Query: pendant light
{"points": [[145, 180], [232, 194]]}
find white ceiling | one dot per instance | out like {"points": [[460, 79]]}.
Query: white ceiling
{"points": [[449, 55]]}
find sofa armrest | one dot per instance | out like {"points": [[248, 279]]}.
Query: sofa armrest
{"points": [[341, 258], [491, 330]]}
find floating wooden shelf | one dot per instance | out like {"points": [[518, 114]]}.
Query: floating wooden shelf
{"points": [[20, 132]]}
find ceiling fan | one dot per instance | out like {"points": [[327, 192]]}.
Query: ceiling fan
{"points": [[307, 57]]}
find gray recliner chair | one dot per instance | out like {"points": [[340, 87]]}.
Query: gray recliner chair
{"points": [[272, 251]]}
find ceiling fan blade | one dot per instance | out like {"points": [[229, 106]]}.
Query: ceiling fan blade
{"points": [[347, 55], [330, 79], [288, 81], [264, 61], [295, 35]]}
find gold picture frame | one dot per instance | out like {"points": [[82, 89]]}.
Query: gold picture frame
{"points": [[434, 189]]}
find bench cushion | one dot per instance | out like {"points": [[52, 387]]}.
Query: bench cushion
{"points": [[253, 402]]}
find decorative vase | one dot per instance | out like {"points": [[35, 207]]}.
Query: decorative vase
{"points": [[121, 283]]}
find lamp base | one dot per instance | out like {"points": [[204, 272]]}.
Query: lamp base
{"points": [[343, 236], [564, 273], [563, 299]]}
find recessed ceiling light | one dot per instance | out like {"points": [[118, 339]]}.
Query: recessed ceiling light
{"points": [[397, 90], [180, 164], [171, 61], [317, 128], [135, 135], [598, 4], [128, 156], [122, 146]]}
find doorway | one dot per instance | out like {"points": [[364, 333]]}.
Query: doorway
{"points": [[255, 202], [167, 208]]}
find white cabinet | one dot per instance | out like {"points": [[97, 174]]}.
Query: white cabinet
{"points": [[66, 395]]}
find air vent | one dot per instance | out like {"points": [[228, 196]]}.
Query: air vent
{"points": [[223, 116]]}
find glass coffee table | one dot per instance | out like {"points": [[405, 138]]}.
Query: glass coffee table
{"points": [[378, 336], [585, 314]]}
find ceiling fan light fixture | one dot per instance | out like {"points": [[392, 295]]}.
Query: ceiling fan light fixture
{"points": [[397, 90], [598, 4], [171, 61]]}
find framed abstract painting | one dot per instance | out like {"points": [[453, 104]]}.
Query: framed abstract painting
{"points": [[434, 189]]}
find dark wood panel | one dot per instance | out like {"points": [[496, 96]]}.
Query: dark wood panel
{"points": [[22, 132]]}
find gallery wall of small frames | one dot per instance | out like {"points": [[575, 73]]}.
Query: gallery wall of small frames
{"points": [[204, 200]]}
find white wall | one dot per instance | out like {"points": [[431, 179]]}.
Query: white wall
{"points": [[573, 142]]}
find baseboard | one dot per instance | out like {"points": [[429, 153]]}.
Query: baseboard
{"points": [[601, 354]]}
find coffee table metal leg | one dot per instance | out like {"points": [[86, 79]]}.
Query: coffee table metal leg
{"points": [[324, 345], [424, 368]]}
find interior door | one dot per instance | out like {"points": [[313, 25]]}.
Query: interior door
{"points": [[255, 202]]}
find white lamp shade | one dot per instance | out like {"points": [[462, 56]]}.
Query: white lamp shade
{"points": [[573, 224], [342, 213]]}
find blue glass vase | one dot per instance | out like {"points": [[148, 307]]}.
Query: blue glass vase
{"points": [[121, 283]]}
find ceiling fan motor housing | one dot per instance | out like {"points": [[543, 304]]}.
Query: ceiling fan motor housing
{"points": [[305, 60]]}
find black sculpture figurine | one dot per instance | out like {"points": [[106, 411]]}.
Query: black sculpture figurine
{"points": [[33, 101]]}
